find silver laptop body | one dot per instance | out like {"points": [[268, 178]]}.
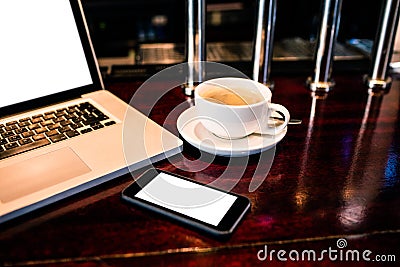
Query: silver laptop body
{"points": [[49, 68]]}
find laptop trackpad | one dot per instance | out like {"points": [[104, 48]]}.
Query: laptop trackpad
{"points": [[32, 175]]}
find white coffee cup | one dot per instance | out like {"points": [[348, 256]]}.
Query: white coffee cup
{"points": [[234, 108]]}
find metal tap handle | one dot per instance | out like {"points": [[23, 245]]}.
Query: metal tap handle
{"points": [[195, 50], [382, 50], [324, 53], [263, 43]]}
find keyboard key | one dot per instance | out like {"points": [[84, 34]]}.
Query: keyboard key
{"points": [[65, 123], [11, 123], [38, 137], [46, 123], [11, 145], [25, 119], [36, 120], [76, 125], [84, 105], [41, 130], [60, 114], [57, 138], [70, 116], [79, 113], [25, 141], [21, 130], [49, 116], [77, 119], [97, 126], [7, 134], [72, 133], [87, 130], [59, 119], [20, 149], [14, 138], [10, 128], [34, 126], [24, 123], [27, 134], [64, 129], [3, 141], [102, 117], [51, 133], [92, 121], [37, 116], [109, 123], [54, 126], [89, 116]]}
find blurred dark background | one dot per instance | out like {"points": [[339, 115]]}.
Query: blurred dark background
{"points": [[119, 27]]}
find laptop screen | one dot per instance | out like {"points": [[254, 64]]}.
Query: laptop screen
{"points": [[41, 52]]}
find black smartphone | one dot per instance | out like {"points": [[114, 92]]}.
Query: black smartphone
{"points": [[196, 205]]}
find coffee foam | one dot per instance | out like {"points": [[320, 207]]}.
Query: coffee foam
{"points": [[237, 97]]}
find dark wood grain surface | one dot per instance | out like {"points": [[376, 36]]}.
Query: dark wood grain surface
{"points": [[335, 176]]}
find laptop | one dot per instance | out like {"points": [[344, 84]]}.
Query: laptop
{"points": [[61, 132]]}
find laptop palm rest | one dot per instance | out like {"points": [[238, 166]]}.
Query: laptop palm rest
{"points": [[29, 176]]}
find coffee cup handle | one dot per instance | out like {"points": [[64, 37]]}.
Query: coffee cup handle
{"points": [[266, 128]]}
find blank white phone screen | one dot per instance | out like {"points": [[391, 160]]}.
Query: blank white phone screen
{"points": [[182, 196], [40, 50]]}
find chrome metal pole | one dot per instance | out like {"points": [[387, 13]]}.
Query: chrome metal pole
{"points": [[382, 50], [263, 42], [195, 50], [321, 80]]}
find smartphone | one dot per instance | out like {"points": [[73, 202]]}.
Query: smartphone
{"points": [[198, 206]]}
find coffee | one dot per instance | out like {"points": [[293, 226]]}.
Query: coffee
{"points": [[234, 108], [237, 97]]}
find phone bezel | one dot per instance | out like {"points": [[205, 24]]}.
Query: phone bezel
{"points": [[226, 226]]}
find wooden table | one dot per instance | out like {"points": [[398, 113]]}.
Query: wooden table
{"points": [[334, 178]]}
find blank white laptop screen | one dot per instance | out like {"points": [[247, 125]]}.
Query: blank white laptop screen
{"points": [[42, 54]]}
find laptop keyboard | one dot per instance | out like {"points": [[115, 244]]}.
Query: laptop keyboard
{"points": [[50, 127]]}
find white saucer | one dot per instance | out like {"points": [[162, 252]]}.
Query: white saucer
{"points": [[194, 133]]}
